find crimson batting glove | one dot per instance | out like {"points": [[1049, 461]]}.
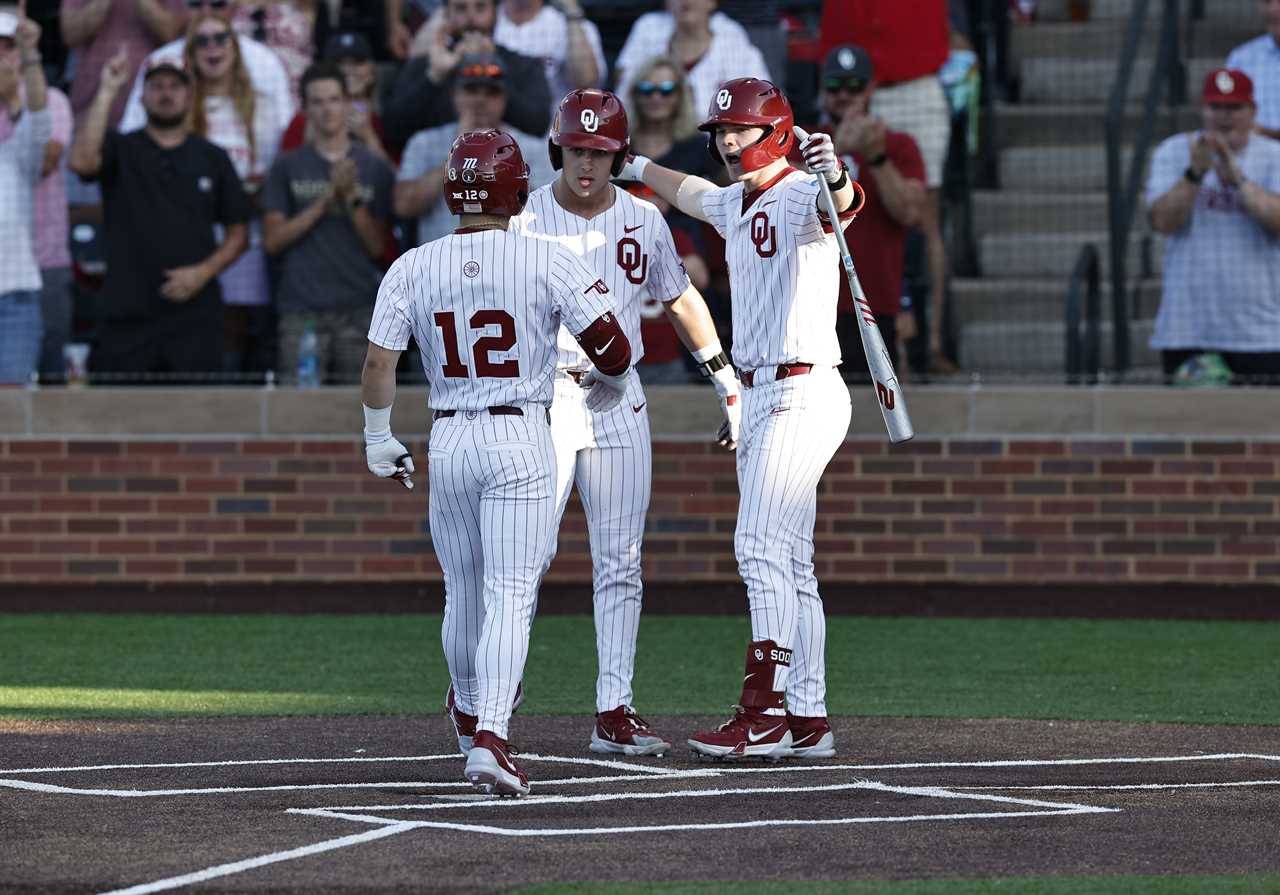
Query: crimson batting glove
{"points": [[604, 392], [820, 156]]}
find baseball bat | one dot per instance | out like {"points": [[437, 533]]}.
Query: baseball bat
{"points": [[893, 405]]}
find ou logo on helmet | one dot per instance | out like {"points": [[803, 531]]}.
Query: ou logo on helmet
{"points": [[724, 99], [590, 120]]}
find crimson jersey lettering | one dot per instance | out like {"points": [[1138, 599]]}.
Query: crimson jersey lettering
{"points": [[763, 236], [633, 260]]}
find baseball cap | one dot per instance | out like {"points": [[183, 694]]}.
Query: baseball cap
{"points": [[8, 25], [847, 63], [173, 64], [347, 45], [1228, 85], [482, 68]]}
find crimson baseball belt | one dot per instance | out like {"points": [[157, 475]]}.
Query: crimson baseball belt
{"points": [[500, 410], [784, 371]]}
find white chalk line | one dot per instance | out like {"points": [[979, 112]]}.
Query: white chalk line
{"points": [[1119, 787], [451, 756], [199, 876], [1005, 763]]}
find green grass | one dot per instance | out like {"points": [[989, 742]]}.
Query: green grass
{"points": [[75, 666], [1257, 884]]}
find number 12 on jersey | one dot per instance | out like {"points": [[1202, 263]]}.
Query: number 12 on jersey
{"points": [[481, 348]]}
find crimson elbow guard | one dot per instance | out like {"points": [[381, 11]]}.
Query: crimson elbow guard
{"points": [[607, 346]]}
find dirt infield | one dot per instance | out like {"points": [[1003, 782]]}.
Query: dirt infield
{"points": [[309, 804]]}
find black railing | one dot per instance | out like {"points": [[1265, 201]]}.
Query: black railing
{"points": [[1084, 317], [1168, 76]]}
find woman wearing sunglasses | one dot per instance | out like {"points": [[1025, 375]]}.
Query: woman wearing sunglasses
{"points": [[286, 26], [247, 125]]}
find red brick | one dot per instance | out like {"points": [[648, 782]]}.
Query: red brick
{"points": [[124, 504], [919, 486], [1162, 568], [1038, 486], [1186, 507], [38, 448], [1099, 486], [982, 527], [1101, 568], [1041, 448], [93, 566], [233, 466], [1267, 527], [239, 547], [1041, 568], [1234, 488], [149, 567], [93, 525], [38, 568], [1038, 528], [917, 446], [112, 546], [153, 448], [37, 485], [298, 545], [1068, 548], [212, 486], [270, 486], [1161, 526], [1127, 507], [840, 466], [947, 507], [1007, 467], [963, 447], [879, 547], [194, 506], [1099, 527], [16, 545], [999, 547], [383, 565], [211, 448], [1068, 467], [1007, 507], [301, 505], [273, 448], [65, 505], [59, 546], [920, 567], [888, 507], [320, 466], [1249, 548], [949, 467], [38, 526], [859, 486], [1221, 568], [706, 506], [127, 466], [330, 448], [1265, 448], [1128, 467], [862, 447], [1188, 548], [1097, 448], [344, 546], [978, 487], [152, 526], [1186, 467], [216, 525], [831, 507], [903, 466], [182, 545], [985, 568], [10, 505], [1159, 487], [210, 566], [861, 567], [257, 525], [89, 448], [1230, 527], [1218, 448], [24, 467], [950, 548], [1128, 548], [1257, 468], [918, 526]]}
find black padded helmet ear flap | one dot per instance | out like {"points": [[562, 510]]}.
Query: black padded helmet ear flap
{"points": [[556, 153], [711, 149], [619, 159]]}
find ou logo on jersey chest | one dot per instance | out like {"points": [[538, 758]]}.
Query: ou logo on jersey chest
{"points": [[764, 236], [590, 120], [632, 259]]}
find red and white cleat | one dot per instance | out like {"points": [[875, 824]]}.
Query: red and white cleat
{"points": [[748, 734], [492, 769]]}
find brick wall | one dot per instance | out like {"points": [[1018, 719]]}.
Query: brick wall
{"points": [[932, 510]]}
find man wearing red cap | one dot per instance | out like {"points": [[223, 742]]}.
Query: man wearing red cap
{"points": [[784, 273], [628, 244], [1215, 195]]}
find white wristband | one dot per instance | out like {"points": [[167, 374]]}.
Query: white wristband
{"points": [[377, 424], [638, 164], [707, 351]]}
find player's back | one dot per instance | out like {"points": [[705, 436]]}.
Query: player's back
{"points": [[484, 308]]}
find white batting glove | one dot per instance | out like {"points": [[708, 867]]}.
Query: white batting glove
{"points": [[726, 385], [820, 156], [390, 459], [633, 168], [604, 392]]}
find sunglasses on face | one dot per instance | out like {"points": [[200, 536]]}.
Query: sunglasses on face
{"points": [[481, 71], [849, 85], [201, 41], [649, 88], [212, 4]]}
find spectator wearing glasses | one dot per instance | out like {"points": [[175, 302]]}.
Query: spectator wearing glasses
{"points": [[423, 94], [327, 208], [481, 97], [889, 167], [353, 54], [267, 73], [226, 110], [21, 327], [286, 26], [709, 45], [98, 28], [567, 42], [1215, 195], [664, 122], [165, 190]]}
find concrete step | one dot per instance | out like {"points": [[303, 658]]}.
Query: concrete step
{"points": [[1045, 168], [1064, 79], [1215, 37], [1026, 300], [1049, 11], [1039, 348], [1068, 124], [1003, 211], [1012, 255], [1098, 39]]}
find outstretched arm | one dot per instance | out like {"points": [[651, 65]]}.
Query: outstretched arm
{"points": [[684, 191]]}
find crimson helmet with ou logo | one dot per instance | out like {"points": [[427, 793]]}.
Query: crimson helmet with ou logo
{"points": [[590, 119], [752, 102], [486, 175]]}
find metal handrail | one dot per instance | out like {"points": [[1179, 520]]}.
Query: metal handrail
{"points": [[1124, 188], [1084, 304]]}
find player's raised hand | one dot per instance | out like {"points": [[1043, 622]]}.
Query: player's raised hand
{"points": [[389, 459], [604, 392], [633, 168], [820, 156]]}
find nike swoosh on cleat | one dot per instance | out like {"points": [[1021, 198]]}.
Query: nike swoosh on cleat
{"points": [[754, 737], [605, 347]]}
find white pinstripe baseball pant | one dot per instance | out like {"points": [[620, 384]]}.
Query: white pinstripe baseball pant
{"points": [[790, 431]]}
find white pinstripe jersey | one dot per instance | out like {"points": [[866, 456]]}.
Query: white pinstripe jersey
{"points": [[784, 272], [485, 307], [628, 245]]}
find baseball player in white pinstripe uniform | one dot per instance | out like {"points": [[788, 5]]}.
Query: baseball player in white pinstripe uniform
{"points": [[484, 305], [784, 276], [628, 244]]}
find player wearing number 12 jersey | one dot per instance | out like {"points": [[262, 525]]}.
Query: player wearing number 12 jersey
{"points": [[484, 305], [608, 456]]}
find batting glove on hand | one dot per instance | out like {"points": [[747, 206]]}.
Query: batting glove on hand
{"points": [[820, 156], [604, 392], [390, 459], [726, 385], [633, 168]]}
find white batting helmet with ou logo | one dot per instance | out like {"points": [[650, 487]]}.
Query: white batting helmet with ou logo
{"points": [[590, 120], [724, 99]]}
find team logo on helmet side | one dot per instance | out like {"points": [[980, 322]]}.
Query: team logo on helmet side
{"points": [[471, 269], [724, 99], [590, 120]]}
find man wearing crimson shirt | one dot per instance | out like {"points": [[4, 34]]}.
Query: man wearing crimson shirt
{"points": [[888, 166], [907, 44]]}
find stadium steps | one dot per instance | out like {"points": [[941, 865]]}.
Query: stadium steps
{"points": [[1061, 124], [1023, 299], [1030, 347]]}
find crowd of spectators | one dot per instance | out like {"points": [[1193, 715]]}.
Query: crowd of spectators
{"points": [[253, 166]]}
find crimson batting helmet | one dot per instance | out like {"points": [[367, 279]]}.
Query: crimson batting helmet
{"points": [[486, 175], [590, 119], [752, 102]]}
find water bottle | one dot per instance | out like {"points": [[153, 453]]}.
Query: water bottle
{"points": [[308, 357]]}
